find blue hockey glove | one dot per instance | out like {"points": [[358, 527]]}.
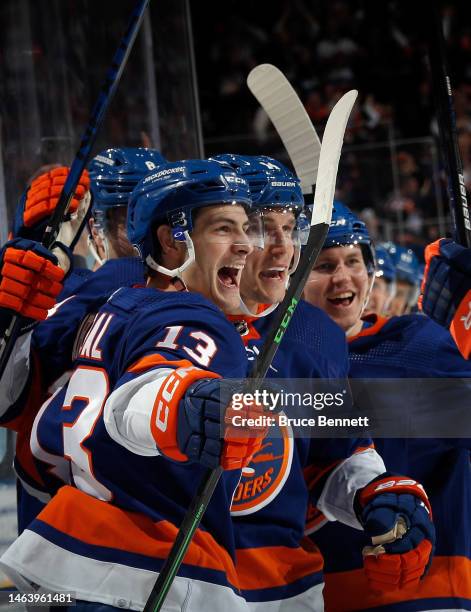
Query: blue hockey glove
{"points": [[396, 514], [446, 290], [204, 437]]}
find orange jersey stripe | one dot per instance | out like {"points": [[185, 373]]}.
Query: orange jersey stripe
{"points": [[150, 361], [99, 523], [275, 566], [348, 591], [314, 519], [378, 323]]}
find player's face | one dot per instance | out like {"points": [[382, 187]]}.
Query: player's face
{"points": [[339, 285], [379, 298], [221, 247], [266, 271], [112, 242], [400, 303]]}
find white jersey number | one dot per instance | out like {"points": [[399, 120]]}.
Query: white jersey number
{"points": [[91, 385], [204, 350]]}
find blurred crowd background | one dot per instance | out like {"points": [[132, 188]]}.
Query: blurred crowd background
{"points": [[391, 168], [184, 91]]}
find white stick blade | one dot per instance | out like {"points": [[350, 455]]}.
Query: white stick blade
{"points": [[287, 113], [329, 158]]}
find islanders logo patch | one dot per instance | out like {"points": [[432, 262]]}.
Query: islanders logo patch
{"points": [[263, 479]]}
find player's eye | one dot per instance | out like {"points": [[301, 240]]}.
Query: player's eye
{"points": [[354, 261], [325, 267]]}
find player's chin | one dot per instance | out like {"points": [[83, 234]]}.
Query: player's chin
{"points": [[346, 317], [275, 296], [227, 299]]}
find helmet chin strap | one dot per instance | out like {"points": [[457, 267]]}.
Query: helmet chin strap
{"points": [[93, 251], [266, 312], [176, 272]]}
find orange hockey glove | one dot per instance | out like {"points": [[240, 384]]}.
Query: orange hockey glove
{"points": [[39, 201], [31, 280]]}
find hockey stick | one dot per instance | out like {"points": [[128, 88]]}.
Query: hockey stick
{"points": [[447, 128], [323, 200], [82, 156], [278, 99]]}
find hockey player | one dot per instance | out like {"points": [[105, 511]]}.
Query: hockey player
{"points": [[275, 480], [114, 173], [400, 347], [141, 412], [407, 279], [446, 290], [384, 286]]}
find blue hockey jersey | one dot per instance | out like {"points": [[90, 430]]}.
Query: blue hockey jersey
{"points": [[52, 354], [286, 477], [118, 521], [410, 346]]}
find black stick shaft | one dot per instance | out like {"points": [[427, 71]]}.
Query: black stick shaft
{"points": [[200, 502], [447, 126], [82, 156]]}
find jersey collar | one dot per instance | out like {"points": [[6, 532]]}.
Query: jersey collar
{"points": [[377, 323]]}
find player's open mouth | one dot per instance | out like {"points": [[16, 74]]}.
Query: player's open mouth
{"points": [[229, 276], [275, 273], [343, 299]]}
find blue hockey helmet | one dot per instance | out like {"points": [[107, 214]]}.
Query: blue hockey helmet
{"points": [[271, 183], [272, 186], [347, 229], [171, 194], [384, 264], [406, 263], [115, 172]]}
